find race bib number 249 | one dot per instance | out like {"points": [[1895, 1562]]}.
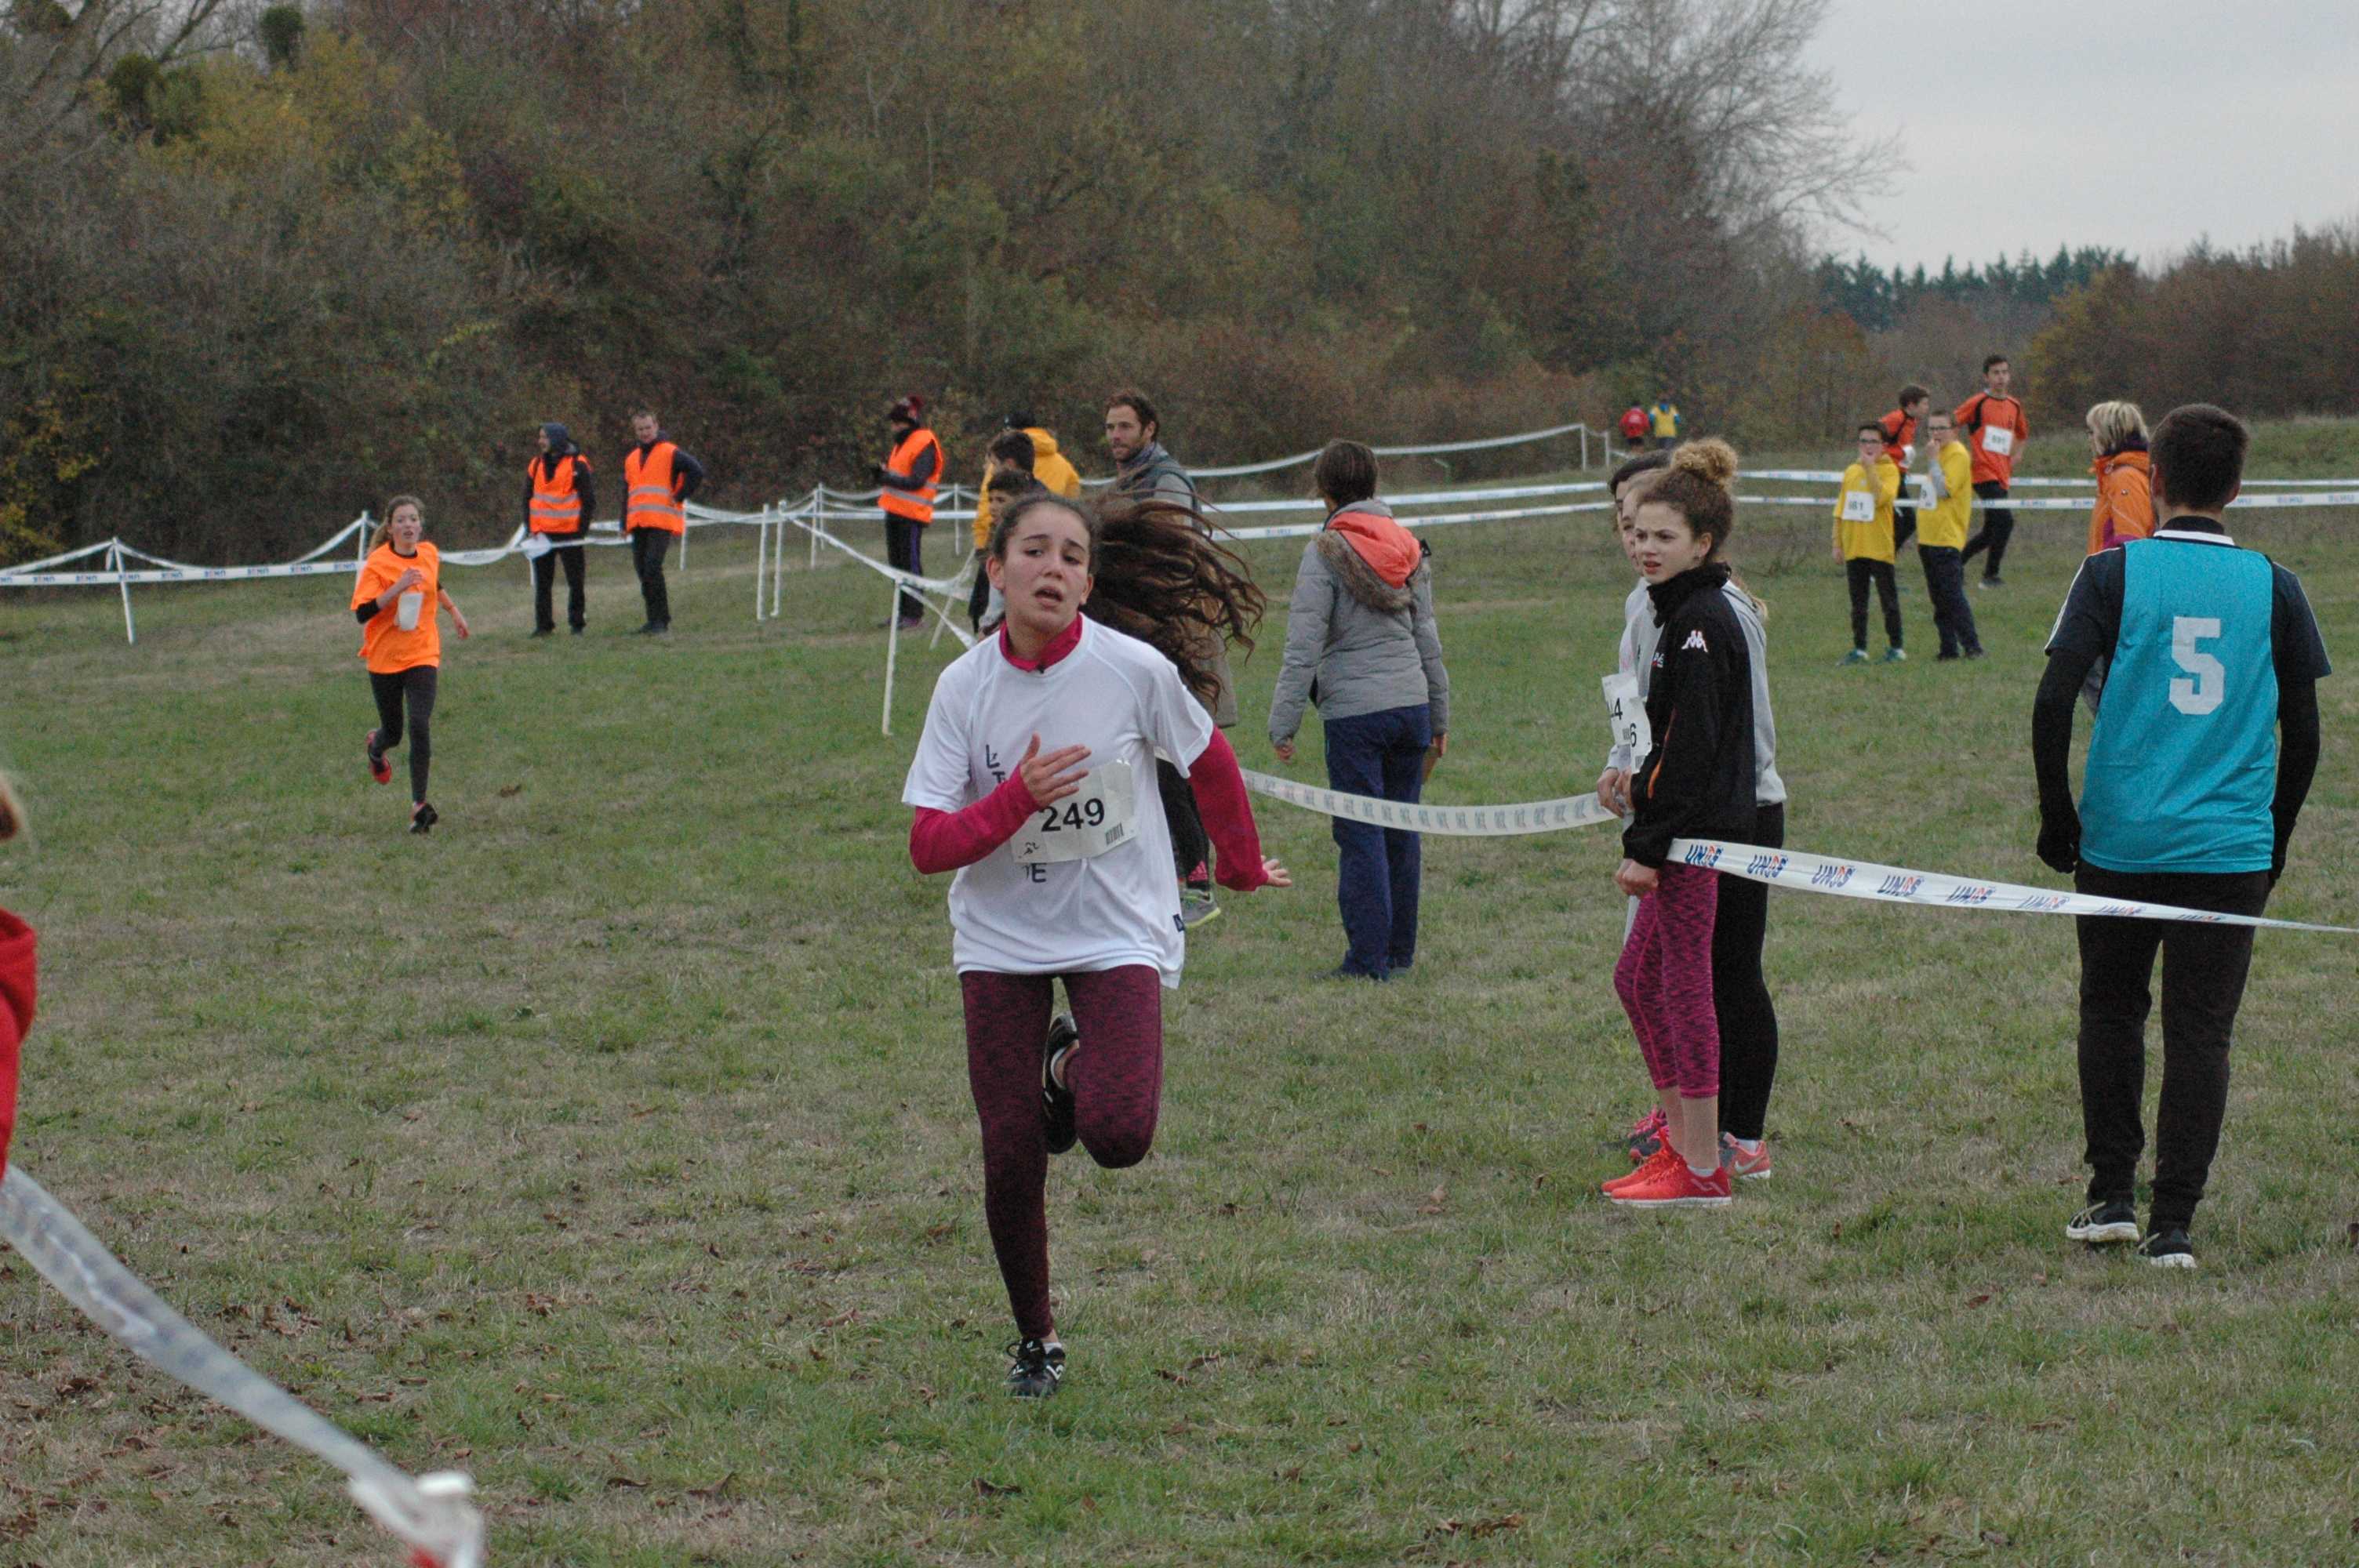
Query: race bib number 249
{"points": [[1094, 818]]}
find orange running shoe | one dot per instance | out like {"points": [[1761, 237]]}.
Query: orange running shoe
{"points": [[1753, 1167], [1675, 1186], [379, 769], [1647, 1135], [1647, 1169]]}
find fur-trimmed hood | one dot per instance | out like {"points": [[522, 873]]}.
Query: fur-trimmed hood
{"points": [[1352, 534], [1360, 580]]}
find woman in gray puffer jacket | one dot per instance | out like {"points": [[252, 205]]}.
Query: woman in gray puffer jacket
{"points": [[1360, 644]]}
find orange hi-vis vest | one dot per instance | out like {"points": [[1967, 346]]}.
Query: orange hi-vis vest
{"points": [[650, 501], [918, 505], [556, 506]]}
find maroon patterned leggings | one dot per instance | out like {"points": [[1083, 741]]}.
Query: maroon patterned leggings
{"points": [[1116, 1077], [1665, 981]]}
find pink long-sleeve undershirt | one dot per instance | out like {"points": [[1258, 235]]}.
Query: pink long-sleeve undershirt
{"points": [[946, 840]]}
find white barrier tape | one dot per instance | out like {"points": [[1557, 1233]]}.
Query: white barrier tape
{"points": [[180, 574], [1434, 520], [2074, 503], [1933, 890], [957, 583], [2259, 492], [431, 1514], [1232, 508], [40, 573], [1298, 530], [47, 561], [1455, 821], [951, 590], [1777, 868], [1434, 450]]}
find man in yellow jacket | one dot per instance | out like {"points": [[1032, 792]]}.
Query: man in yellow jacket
{"points": [[1947, 506], [1863, 542]]}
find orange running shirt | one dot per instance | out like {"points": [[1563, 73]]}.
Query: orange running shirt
{"points": [[1994, 430], [389, 649]]}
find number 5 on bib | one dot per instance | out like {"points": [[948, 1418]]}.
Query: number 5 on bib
{"points": [[1097, 816]]}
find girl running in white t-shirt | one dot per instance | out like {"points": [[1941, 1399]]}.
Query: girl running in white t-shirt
{"points": [[1035, 780]]}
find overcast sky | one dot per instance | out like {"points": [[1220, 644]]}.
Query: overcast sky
{"points": [[2029, 124]]}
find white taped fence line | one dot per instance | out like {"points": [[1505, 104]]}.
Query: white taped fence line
{"points": [[814, 513], [2074, 503], [1453, 821], [1793, 869], [1437, 449], [431, 1514]]}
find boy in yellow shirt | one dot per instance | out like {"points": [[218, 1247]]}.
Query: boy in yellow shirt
{"points": [[1863, 542], [1941, 536]]}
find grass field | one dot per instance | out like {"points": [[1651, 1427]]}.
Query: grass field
{"points": [[614, 1143]]}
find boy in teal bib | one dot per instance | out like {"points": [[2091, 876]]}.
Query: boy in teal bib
{"points": [[2202, 659]]}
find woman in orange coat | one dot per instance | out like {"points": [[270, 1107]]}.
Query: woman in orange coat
{"points": [[398, 601], [2125, 508]]}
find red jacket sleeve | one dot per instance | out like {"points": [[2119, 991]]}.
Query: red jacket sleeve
{"points": [[946, 840], [16, 968], [1220, 791]]}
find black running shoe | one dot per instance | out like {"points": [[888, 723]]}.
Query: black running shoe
{"points": [[2104, 1222], [1037, 1368], [1056, 1102], [423, 819], [2168, 1248]]}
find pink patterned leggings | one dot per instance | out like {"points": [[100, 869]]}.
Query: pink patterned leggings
{"points": [[1116, 1078], [1664, 979]]}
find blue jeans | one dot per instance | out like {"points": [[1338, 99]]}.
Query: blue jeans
{"points": [[1380, 754]]}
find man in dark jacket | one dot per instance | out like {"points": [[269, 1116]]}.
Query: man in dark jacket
{"points": [[1144, 471], [1142, 468], [658, 478]]}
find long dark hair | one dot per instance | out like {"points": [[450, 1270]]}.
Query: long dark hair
{"points": [[1160, 577]]}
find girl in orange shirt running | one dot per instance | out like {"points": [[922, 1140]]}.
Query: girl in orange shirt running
{"points": [[398, 601]]}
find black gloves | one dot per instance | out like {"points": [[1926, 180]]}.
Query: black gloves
{"points": [[2059, 839]]}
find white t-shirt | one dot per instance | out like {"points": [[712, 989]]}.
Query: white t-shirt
{"points": [[1123, 700]]}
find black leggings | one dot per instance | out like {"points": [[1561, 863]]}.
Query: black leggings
{"points": [[416, 684], [1998, 527], [1740, 996]]}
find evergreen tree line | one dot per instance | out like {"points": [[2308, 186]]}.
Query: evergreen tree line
{"points": [[1881, 301], [270, 264]]}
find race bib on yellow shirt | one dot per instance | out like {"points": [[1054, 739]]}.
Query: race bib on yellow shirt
{"points": [[1859, 506], [1094, 818], [1997, 441]]}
